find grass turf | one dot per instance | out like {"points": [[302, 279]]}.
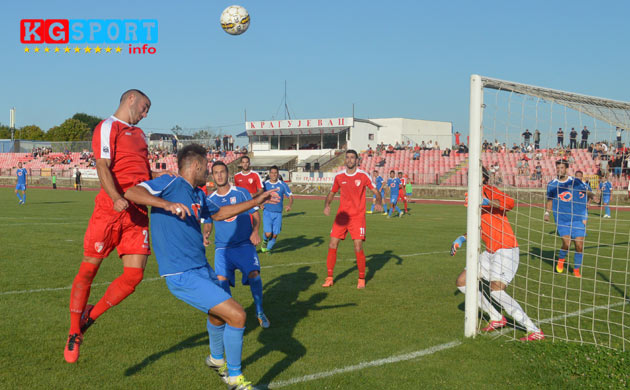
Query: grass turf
{"points": [[153, 340]]}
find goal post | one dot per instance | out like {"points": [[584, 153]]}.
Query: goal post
{"points": [[590, 134]]}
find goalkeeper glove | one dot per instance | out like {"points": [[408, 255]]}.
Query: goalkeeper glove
{"points": [[456, 244], [485, 202]]}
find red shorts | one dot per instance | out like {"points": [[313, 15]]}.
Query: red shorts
{"points": [[402, 195], [345, 223], [127, 231]]}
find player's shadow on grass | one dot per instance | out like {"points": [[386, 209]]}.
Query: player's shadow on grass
{"points": [[59, 202], [289, 215], [546, 256], [285, 311], [294, 243], [373, 264], [621, 292], [191, 342]]}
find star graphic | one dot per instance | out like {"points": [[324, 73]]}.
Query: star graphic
{"points": [[97, 49], [66, 50], [26, 50], [88, 49], [108, 49], [37, 50], [56, 50], [77, 50], [46, 50], [118, 49]]}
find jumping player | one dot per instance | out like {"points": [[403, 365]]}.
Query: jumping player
{"points": [[499, 262], [605, 189], [248, 179], [402, 191], [235, 240], [394, 189], [567, 198], [378, 182], [272, 214], [177, 208], [22, 182], [122, 161], [350, 215]]}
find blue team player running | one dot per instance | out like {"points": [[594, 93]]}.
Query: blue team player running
{"points": [[21, 184], [605, 188], [567, 198], [272, 214], [378, 182], [235, 240], [394, 184], [177, 208]]}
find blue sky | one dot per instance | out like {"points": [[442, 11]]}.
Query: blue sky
{"points": [[408, 59]]}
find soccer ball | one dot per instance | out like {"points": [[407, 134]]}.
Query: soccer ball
{"points": [[235, 20]]}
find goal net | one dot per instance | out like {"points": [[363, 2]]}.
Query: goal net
{"points": [[591, 309]]}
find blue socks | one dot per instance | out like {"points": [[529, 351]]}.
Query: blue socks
{"points": [[563, 254], [373, 205], [271, 243], [216, 340], [255, 284], [577, 260], [19, 196], [233, 341], [225, 285], [607, 208]]}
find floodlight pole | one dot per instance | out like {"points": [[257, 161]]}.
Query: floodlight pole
{"points": [[474, 202]]}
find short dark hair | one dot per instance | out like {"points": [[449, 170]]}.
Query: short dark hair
{"points": [[576, 172], [562, 162], [188, 152], [392, 171], [246, 157], [274, 167], [133, 91], [352, 151], [400, 172], [220, 164]]}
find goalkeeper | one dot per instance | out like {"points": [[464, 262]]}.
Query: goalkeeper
{"points": [[498, 263]]}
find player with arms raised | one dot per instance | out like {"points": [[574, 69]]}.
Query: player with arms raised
{"points": [[21, 173], [567, 198], [499, 262], [248, 179], [350, 215]]}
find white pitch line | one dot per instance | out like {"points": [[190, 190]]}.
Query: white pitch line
{"points": [[39, 290], [361, 366]]}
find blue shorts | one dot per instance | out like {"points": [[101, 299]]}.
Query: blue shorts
{"points": [[574, 229], [382, 195], [198, 287], [394, 199], [242, 258], [605, 199], [272, 222], [20, 187]]}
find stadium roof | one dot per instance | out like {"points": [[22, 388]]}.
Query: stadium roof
{"points": [[258, 161]]}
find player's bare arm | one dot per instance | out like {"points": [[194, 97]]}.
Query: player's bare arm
{"points": [[255, 237], [377, 194], [207, 230], [107, 182], [226, 212], [290, 205], [548, 209], [140, 195], [327, 202]]}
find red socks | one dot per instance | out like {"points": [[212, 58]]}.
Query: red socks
{"points": [[80, 293], [331, 260], [121, 288], [361, 264]]}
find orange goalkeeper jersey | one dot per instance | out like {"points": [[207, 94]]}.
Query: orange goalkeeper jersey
{"points": [[496, 231]]}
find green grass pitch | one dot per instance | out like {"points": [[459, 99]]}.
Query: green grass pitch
{"points": [[404, 331]]}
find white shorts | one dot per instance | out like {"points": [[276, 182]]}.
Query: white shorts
{"points": [[500, 266]]}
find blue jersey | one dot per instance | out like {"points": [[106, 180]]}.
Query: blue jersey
{"points": [[394, 185], [606, 188], [283, 191], [234, 231], [21, 176], [178, 244], [379, 183], [569, 199]]}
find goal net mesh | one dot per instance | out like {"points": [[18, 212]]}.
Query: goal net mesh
{"points": [[593, 309]]}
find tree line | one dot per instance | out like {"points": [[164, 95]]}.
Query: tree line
{"points": [[77, 128]]}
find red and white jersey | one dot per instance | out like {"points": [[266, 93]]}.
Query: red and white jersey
{"points": [[352, 188], [126, 146], [250, 181]]}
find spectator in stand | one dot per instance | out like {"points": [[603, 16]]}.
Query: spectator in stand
{"points": [[416, 155], [430, 145], [526, 136], [370, 152], [616, 164], [217, 142], [497, 146], [569, 158], [462, 149], [231, 143], [573, 139], [536, 139], [381, 163], [603, 165], [618, 132], [515, 148], [560, 135], [225, 142], [397, 147], [174, 141], [416, 148], [390, 149], [584, 142], [446, 153], [436, 146], [457, 136], [538, 172]]}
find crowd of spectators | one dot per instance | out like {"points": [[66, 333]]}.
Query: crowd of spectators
{"points": [[40, 152]]}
